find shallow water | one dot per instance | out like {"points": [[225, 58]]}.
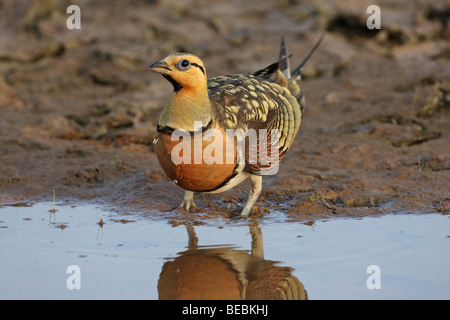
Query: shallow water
{"points": [[130, 255]]}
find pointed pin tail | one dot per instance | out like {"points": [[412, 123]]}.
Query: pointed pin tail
{"points": [[300, 66], [283, 63]]}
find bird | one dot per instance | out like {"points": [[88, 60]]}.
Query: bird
{"points": [[213, 133], [227, 273]]}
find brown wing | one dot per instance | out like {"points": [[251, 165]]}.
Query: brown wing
{"points": [[251, 102]]}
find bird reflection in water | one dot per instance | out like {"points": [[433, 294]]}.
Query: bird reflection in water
{"points": [[227, 273]]}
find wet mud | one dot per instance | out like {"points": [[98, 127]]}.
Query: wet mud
{"points": [[78, 108]]}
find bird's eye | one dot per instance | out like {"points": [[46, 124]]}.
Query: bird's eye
{"points": [[183, 65]]}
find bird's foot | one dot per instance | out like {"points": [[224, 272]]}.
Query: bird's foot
{"points": [[188, 205], [188, 201]]}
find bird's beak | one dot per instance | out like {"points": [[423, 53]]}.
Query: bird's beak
{"points": [[160, 66]]}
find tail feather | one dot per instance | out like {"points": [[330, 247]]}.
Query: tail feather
{"points": [[267, 72], [300, 66], [283, 62]]}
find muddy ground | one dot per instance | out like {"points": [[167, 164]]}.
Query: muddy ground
{"points": [[78, 108]]}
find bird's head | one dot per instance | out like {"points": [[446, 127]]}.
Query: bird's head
{"points": [[182, 70]]}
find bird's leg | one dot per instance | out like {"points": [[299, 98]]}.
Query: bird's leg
{"points": [[253, 196], [257, 241], [188, 201], [193, 239]]}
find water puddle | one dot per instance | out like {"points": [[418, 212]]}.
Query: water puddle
{"points": [[84, 252]]}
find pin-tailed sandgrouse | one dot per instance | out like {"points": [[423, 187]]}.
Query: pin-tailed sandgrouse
{"points": [[215, 133]]}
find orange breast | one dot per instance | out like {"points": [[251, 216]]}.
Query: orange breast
{"points": [[197, 162]]}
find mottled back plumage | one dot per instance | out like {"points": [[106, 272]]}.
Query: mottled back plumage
{"points": [[267, 99], [251, 102]]}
